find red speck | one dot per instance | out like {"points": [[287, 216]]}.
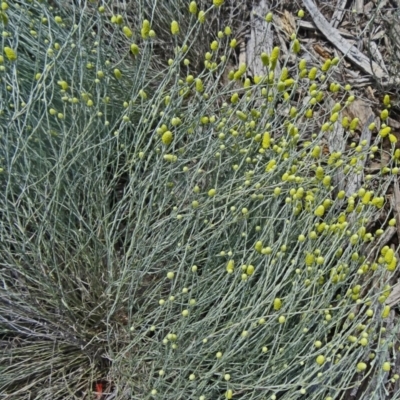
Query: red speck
{"points": [[99, 390]]}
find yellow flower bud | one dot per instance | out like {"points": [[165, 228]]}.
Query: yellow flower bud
{"points": [[117, 73], [386, 366], [325, 67], [345, 122], [316, 151], [250, 270], [335, 61], [214, 45], [143, 94], [354, 123], [384, 114], [270, 166], [201, 17], [392, 265], [361, 366], [63, 84], [193, 7], [134, 49], [174, 27], [10, 53], [145, 29], [269, 17], [241, 115], [327, 181], [296, 46], [170, 157], [302, 64], [274, 57], [199, 85], [385, 131], [319, 173], [218, 3], [334, 117], [386, 100], [265, 59], [320, 360], [320, 211], [127, 31], [170, 275], [312, 74], [258, 246], [325, 127], [277, 304], [167, 138], [385, 312]]}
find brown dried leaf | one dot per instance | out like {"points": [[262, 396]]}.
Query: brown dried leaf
{"points": [[322, 51], [370, 93], [287, 23]]}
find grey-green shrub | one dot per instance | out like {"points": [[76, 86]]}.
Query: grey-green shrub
{"points": [[218, 260]]}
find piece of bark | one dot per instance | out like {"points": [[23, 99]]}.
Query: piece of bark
{"points": [[359, 6], [351, 52], [382, 4], [337, 143], [360, 109], [368, 7], [373, 247], [378, 35], [393, 123], [355, 181], [376, 54], [394, 296], [338, 13], [307, 25], [261, 38]]}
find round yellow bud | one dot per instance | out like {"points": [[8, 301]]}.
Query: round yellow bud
{"points": [[320, 360], [361, 366], [386, 366]]}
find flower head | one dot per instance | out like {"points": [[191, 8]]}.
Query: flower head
{"points": [[218, 3], [193, 7], [167, 137], [10, 53], [174, 27], [145, 29]]}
